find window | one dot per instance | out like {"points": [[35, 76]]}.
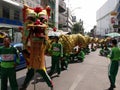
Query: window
{"points": [[6, 12], [16, 15]]}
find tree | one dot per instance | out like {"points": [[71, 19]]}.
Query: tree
{"points": [[92, 31], [78, 27]]}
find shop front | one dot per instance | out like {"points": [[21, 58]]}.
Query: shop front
{"points": [[11, 28]]}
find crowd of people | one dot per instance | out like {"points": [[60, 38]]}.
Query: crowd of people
{"points": [[59, 61]]}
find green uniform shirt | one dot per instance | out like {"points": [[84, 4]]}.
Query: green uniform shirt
{"points": [[57, 49], [115, 54], [8, 56], [81, 54]]}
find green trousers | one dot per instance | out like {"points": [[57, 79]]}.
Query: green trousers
{"points": [[64, 62], [55, 65], [113, 70], [31, 73], [8, 73]]}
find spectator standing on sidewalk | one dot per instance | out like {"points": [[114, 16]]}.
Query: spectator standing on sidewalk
{"points": [[57, 54], [114, 64], [8, 55]]}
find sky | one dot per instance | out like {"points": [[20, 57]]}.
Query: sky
{"points": [[86, 12]]}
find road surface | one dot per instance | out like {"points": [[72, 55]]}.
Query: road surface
{"points": [[92, 74]]}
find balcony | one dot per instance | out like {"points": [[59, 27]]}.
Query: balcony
{"points": [[62, 6]]}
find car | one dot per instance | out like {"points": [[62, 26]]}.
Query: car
{"points": [[22, 65]]}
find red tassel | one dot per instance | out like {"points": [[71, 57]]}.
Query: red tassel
{"points": [[54, 29], [48, 9]]}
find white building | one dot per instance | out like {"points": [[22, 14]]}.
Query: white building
{"points": [[106, 18]]}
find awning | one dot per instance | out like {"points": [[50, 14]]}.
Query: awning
{"points": [[8, 25], [9, 22]]}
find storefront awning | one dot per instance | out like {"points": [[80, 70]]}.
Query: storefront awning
{"points": [[8, 25]]}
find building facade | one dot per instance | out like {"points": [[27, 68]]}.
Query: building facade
{"points": [[11, 17], [52, 4], [106, 20], [69, 20], [62, 15], [118, 16]]}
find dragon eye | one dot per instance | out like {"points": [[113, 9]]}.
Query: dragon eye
{"points": [[41, 19], [31, 19], [31, 15]]}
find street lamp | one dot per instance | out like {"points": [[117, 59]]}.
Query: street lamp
{"points": [[70, 13], [75, 9]]}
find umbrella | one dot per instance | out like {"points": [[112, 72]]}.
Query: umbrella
{"points": [[113, 35], [52, 33], [57, 33]]}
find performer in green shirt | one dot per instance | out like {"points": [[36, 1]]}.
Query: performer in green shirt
{"points": [[81, 55], [57, 54], [114, 64], [8, 55]]}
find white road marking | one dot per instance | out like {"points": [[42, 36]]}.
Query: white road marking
{"points": [[76, 82]]}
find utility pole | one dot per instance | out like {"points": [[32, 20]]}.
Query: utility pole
{"points": [[67, 19], [69, 13], [68, 16], [56, 13]]}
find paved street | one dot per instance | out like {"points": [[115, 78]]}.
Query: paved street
{"points": [[89, 75]]}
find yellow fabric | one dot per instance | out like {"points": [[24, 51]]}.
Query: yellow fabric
{"points": [[37, 57]]}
